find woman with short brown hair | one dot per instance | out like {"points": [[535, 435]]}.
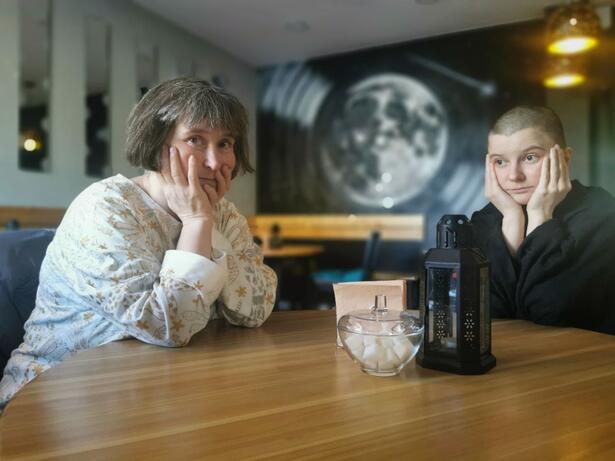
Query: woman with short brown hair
{"points": [[156, 256]]}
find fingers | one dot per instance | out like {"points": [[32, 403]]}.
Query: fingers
{"points": [[544, 172], [229, 177], [211, 193], [492, 186], [177, 172], [564, 178], [487, 177], [193, 175], [493, 179], [220, 183], [223, 181], [165, 168], [554, 159]]}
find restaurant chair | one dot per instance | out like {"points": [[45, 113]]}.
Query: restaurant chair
{"points": [[12, 224], [21, 255], [325, 279]]}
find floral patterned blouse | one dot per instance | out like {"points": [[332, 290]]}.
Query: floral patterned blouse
{"points": [[112, 272]]}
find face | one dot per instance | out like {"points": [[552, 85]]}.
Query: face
{"points": [[213, 149], [518, 159]]}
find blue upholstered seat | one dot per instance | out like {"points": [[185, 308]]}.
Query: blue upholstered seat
{"points": [[370, 255], [21, 255]]}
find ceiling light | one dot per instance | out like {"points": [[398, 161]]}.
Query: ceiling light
{"points": [[564, 72], [31, 140], [572, 28], [564, 80], [30, 145]]}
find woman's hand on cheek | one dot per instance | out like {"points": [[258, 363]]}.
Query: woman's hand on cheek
{"points": [[223, 184], [223, 181], [183, 193]]}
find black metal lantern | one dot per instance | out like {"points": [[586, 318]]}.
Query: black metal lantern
{"points": [[455, 302]]}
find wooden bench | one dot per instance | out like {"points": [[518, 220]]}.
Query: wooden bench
{"points": [[342, 236], [29, 217], [406, 227]]}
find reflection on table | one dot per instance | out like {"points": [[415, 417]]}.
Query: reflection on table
{"points": [[284, 391]]}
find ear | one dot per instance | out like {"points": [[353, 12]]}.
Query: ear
{"points": [[567, 154]]}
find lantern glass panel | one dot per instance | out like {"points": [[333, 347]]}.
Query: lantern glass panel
{"points": [[485, 319], [442, 285]]}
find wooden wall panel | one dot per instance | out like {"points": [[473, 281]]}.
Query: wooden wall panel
{"points": [[404, 227], [31, 216]]}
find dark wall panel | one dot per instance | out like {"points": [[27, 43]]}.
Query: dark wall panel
{"points": [[398, 129]]}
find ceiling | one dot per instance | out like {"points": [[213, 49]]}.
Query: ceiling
{"points": [[263, 32]]}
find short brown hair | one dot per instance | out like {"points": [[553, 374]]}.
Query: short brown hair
{"points": [[187, 100], [540, 117]]}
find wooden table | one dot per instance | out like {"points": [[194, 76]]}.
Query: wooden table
{"points": [[285, 392], [293, 251]]}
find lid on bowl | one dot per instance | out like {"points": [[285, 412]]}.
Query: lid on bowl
{"points": [[380, 321]]}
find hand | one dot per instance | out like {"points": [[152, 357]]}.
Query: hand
{"points": [[223, 182], [184, 195], [513, 220], [498, 196], [553, 186]]}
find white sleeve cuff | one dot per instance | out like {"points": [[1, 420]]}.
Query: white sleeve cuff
{"points": [[195, 270]]}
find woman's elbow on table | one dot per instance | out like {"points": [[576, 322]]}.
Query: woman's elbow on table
{"points": [[173, 334]]}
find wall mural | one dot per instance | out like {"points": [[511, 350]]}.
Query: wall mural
{"points": [[400, 129]]}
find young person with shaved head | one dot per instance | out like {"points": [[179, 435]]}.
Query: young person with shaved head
{"points": [[550, 240]]}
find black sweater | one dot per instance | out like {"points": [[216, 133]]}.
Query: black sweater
{"points": [[564, 271]]}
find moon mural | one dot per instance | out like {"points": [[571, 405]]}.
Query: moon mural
{"points": [[400, 129], [386, 142]]}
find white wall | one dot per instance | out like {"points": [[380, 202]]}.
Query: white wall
{"points": [[573, 108], [129, 23]]}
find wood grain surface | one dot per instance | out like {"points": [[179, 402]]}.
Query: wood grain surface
{"points": [[404, 227], [292, 251], [283, 391], [31, 216]]}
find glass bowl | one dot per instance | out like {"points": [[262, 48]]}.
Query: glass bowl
{"points": [[381, 341]]}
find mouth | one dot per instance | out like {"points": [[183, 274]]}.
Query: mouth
{"points": [[520, 190]]}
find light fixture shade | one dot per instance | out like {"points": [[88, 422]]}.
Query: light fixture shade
{"points": [[565, 72], [572, 28]]}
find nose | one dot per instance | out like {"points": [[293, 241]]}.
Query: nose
{"points": [[515, 173], [212, 158]]}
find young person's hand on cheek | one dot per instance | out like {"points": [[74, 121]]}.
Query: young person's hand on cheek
{"points": [[513, 220], [552, 188], [496, 194]]}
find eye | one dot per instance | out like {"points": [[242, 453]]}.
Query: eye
{"points": [[194, 140], [531, 158], [499, 162], [227, 144]]}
